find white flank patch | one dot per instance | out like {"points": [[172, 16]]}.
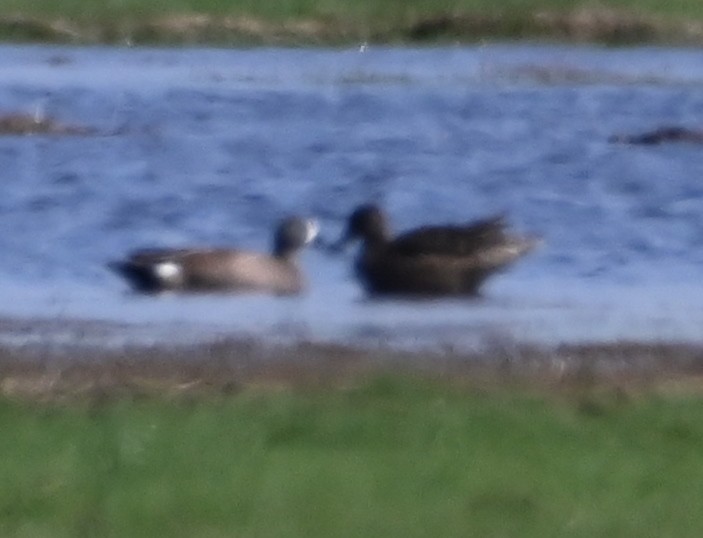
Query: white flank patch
{"points": [[167, 270]]}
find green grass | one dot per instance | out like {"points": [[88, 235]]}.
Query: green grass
{"points": [[393, 457], [389, 9], [345, 21]]}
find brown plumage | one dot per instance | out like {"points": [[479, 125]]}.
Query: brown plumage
{"points": [[431, 260], [223, 269]]}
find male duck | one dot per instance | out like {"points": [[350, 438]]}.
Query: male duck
{"points": [[222, 269]]}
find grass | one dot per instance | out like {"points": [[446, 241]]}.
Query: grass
{"points": [[334, 21], [361, 9], [390, 456]]}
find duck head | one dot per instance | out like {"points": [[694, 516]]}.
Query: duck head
{"points": [[292, 234], [367, 223]]}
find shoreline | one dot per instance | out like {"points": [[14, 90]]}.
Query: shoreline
{"points": [[47, 371], [581, 25]]}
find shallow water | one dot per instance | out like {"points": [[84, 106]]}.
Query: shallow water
{"points": [[202, 146]]}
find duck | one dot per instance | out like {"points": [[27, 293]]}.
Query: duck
{"points": [[444, 260], [156, 270], [670, 133]]}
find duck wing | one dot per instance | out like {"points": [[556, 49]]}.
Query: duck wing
{"points": [[452, 240], [150, 256]]}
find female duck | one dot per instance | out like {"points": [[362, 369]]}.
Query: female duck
{"points": [[431, 260]]}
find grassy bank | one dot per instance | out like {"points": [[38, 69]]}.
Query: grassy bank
{"points": [[392, 456], [244, 439], [335, 21]]}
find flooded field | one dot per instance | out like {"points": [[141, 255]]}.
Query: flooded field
{"points": [[212, 147]]}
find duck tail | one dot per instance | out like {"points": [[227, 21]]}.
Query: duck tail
{"points": [[511, 249], [527, 243], [139, 277]]}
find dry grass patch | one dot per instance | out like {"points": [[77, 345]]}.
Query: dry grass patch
{"points": [[229, 366]]}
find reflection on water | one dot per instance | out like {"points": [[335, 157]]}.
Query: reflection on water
{"points": [[214, 146]]}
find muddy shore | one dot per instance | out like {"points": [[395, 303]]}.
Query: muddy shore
{"points": [[46, 370]]}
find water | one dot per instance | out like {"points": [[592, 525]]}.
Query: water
{"points": [[212, 147]]}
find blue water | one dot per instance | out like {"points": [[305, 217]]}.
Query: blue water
{"points": [[201, 146]]}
